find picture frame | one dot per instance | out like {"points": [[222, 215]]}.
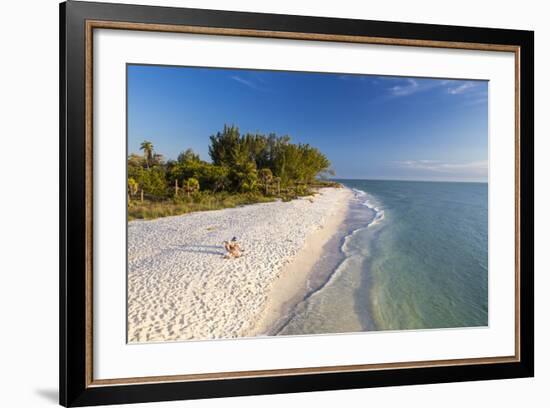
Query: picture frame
{"points": [[79, 21]]}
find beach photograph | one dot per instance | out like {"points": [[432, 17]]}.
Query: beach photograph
{"points": [[282, 203]]}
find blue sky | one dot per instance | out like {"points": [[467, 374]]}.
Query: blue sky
{"points": [[370, 127]]}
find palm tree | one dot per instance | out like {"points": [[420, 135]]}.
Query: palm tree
{"points": [[147, 148]]}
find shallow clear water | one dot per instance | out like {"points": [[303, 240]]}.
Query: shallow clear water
{"points": [[413, 256]]}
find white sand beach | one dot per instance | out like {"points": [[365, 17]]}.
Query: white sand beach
{"points": [[180, 287]]}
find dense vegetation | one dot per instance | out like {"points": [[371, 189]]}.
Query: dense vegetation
{"points": [[244, 169]]}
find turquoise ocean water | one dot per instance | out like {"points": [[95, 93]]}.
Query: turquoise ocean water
{"points": [[413, 255]]}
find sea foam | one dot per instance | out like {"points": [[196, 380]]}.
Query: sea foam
{"points": [[378, 212]]}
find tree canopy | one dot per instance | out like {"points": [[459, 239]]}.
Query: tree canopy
{"points": [[239, 163]]}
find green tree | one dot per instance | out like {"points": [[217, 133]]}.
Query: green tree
{"points": [[215, 178], [152, 180], [192, 185], [188, 156], [313, 163], [242, 170], [224, 146], [256, 147], [133, 186], [245, 176], [234, 168]]}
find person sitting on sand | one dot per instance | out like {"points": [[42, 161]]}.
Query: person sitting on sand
{"points": [[233, 248]]}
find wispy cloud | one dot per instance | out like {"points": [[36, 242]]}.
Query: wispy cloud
{"points": [[462, 88], [256, 85], [399, 87], [473, 93], [477, 168], [411, 86]]}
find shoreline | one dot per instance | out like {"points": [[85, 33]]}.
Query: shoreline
{"points": [[292, 285], [180, 286]]}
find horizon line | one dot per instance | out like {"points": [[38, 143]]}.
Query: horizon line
{"points": [[415, 180]]}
